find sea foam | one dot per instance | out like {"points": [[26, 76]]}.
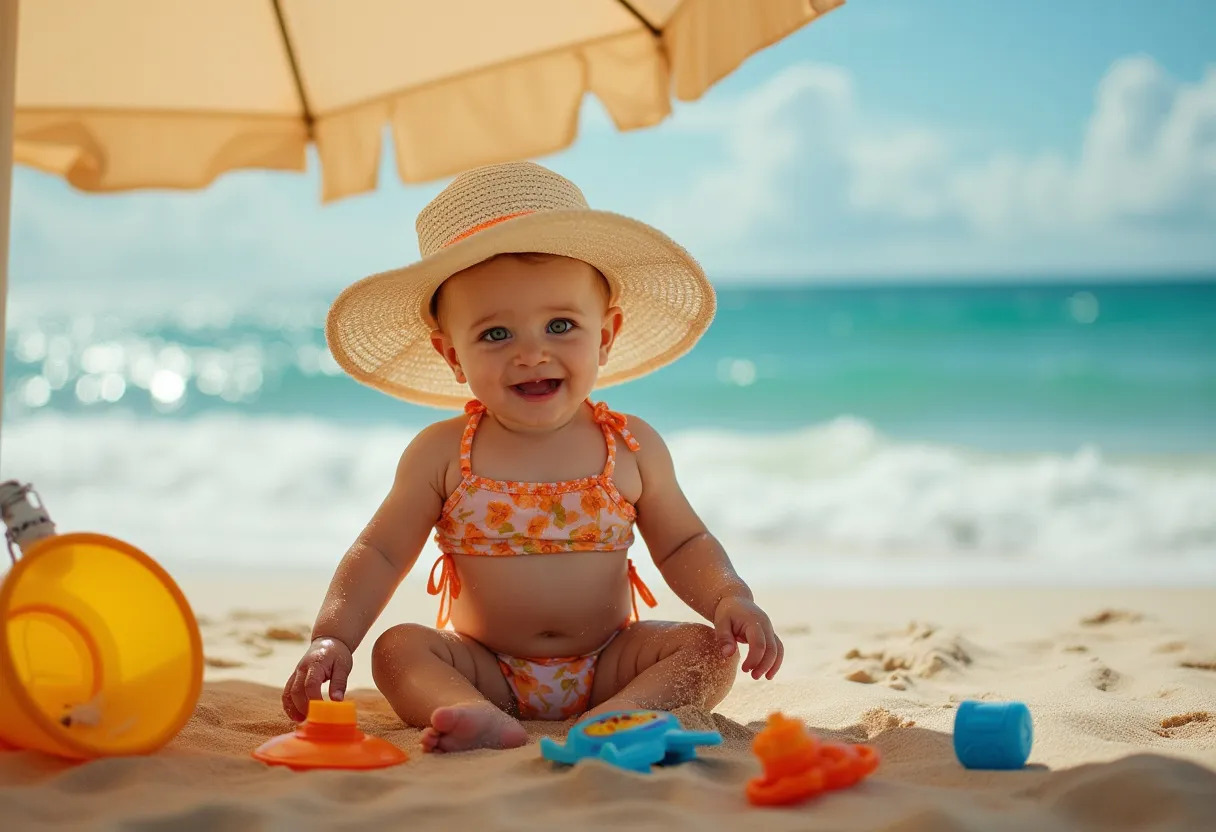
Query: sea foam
{"points": [[836, 501]]}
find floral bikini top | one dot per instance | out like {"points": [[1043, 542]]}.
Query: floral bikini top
{"points": [[497, 518]]}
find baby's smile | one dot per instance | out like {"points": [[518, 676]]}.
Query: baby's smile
{"points": [[537, 389]]}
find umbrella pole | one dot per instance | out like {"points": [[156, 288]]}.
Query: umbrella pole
{"points": [[8, 112]]}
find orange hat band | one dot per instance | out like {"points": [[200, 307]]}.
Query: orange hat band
{"points": [[469, 232]]}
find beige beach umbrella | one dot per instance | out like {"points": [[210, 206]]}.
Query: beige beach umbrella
{"points": [[121, 94]]}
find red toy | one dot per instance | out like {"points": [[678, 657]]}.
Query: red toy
{"points": [[798, 767]]}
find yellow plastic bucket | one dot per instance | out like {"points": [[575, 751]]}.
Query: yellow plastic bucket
{"points": [[101, 654]]}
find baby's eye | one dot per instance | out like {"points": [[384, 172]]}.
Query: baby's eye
{"points": [[560, 326], [496, 333]]}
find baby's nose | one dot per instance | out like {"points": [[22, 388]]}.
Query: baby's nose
{"points": [[529, 354]]}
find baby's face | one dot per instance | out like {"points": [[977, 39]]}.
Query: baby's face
{"points": [[528, 334]]}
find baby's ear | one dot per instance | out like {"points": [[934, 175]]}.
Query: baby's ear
{"points": [[443, 345], [614, 318]]}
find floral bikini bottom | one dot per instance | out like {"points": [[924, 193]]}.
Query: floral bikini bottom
{"points": [[552, 688]]}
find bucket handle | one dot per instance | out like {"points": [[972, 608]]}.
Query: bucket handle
{"points": [[25, 516]]}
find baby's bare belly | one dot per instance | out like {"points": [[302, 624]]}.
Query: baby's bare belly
{"points": [[542, 605]]}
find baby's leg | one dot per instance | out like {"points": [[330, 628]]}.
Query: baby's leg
{"points": [[662, 665], [448, 684]]}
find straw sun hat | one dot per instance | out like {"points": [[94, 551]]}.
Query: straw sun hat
{"points": [[379, 329]]}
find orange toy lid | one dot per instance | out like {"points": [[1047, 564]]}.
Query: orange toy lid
{"points": [[783, 790], [329, 738]]}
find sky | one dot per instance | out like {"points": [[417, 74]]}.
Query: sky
{"points": [[888, 140]]}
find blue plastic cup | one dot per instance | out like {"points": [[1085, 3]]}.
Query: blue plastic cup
{"points": [[993, 735]]}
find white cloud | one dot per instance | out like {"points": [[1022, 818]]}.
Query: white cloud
{"points": [[761, 142], [803, 145], [896, 173], [1149, 152]]}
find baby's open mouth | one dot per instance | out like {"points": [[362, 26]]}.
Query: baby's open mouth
{"points": [[540, 387]]}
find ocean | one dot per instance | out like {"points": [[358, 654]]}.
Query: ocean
{"points": [[946, 433]]}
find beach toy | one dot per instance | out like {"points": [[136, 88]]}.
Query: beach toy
{"points": [[632, 740], [101, 654], [798, 767], [993, 735], [329, 738]]}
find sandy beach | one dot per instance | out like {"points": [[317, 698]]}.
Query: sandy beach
{"points": [[918, 305], [1121, 684]]}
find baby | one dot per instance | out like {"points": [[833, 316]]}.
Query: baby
{"points": [[528, 300]]}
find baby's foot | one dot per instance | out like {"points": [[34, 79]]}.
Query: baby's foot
{"points": [[474, 725]]}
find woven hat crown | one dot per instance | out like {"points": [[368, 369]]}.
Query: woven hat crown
{"points": [[486, 196]]}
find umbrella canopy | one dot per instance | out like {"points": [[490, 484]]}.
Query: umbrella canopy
{"points": [[172, 93], [127, 94]]}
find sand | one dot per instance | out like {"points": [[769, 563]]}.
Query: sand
{"points": [[1121, 684]]}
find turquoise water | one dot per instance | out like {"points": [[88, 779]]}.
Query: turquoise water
{"points": [[1129, 368], [1028, 432]]}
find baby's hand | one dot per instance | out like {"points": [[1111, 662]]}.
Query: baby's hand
{"points": [[739, 619], [326, 659]]}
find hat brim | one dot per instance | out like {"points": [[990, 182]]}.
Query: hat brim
{"points": [[379, 329]]}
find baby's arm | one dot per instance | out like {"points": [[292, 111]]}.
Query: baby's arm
{"points": [[371, 569], [693, 562], [389, 545]]}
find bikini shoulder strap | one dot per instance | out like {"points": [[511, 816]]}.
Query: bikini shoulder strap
{"points": [[611, 422], [475, 409]]}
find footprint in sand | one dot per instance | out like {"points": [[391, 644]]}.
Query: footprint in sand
{"points": [[921, 651], [1198, 664], [262, 638], [256, 645], [244, 636], [1112, 617], [299, 633], [1104, 678], [1185, 719], [220, 663], [1186, 726]]}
